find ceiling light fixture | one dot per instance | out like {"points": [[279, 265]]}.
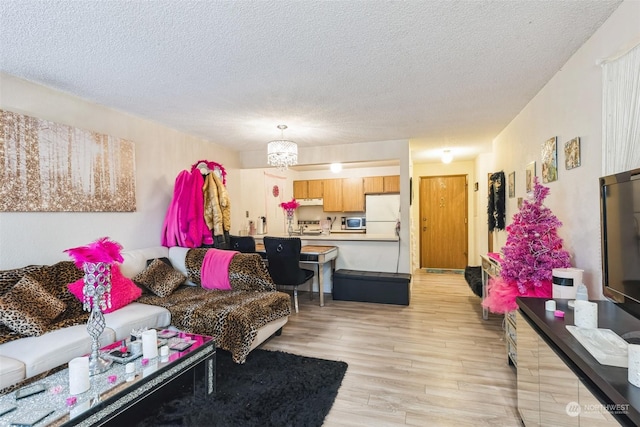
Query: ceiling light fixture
{"points": [[335, 167], [447, 157], [282, 153]]}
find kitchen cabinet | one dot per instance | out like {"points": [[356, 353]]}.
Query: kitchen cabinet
{"points": [[308, 189], [332, 197], [381, 184], [352, 195], [343, 195], [373, 184], [391, 184]]}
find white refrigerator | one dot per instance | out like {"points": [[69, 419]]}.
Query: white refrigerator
{"points": [[382, 213]]}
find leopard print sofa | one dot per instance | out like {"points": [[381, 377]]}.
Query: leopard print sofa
{"points": [[240, 319], [233, 317]]}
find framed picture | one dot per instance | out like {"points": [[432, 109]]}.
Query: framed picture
{"points": [[529, 174], [549, 161], [572, 153], [512, 184]]}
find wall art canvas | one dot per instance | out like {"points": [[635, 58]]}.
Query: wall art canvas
{"points": [[549, 161], [572, 153], [52, 167], [529, 174], [511, 181]]}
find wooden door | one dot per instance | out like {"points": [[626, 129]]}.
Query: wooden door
{"points": [[443, 222]]}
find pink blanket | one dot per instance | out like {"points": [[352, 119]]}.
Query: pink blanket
{"points": [[214, 273]]}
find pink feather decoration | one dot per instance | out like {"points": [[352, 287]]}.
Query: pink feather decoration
{"points": [[501, 295], [102, 250], [291, 205]]}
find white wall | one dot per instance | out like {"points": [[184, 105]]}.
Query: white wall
{"points": [[484, 166], [258, 198], [569, 106], [161, 153]]}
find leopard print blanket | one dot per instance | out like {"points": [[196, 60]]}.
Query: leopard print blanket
{"points": [[232, 317], [54, 278]]}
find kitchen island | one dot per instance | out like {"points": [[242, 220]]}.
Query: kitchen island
{"points": [[357, 251]]}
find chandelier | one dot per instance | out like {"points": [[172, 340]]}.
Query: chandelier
{"points": [[282, 153]]}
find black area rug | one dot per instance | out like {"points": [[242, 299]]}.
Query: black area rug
{"points": [[271, 389]]}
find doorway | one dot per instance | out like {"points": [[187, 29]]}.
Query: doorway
{"points": [[443, 222]]}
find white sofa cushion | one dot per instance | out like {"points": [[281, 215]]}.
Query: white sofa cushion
{"points": [[136, 316], [11, 371], [136, 260], [55, 348], [178, 256]]}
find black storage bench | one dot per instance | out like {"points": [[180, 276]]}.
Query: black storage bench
{"points": [[371, 286]]}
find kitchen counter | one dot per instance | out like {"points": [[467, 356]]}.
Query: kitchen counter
{"points": [[357, 251], [338, 237]]}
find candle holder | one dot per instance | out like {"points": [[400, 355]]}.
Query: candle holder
{"points": [[97, 297], [290, 208], [290, 213], [95, 260]]}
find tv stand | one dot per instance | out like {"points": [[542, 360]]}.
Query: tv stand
{"points": [[555, 372]]}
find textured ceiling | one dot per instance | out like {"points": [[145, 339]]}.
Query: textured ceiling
{"points": [[449, 73]]}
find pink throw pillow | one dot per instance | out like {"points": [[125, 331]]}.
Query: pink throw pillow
{"points": [[123, 290]]}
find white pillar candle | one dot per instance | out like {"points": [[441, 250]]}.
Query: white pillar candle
{"points": [[164, 350], [150, 344], [586, 314], [79, 375], [550, 305], [633, 374]]}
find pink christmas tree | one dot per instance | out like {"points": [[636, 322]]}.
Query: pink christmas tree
{"points": [[533, 249]]}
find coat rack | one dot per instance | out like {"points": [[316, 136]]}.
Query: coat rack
{"points": [[207, 166]]}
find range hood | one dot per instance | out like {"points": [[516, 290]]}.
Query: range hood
{"points": [[310, 202]]}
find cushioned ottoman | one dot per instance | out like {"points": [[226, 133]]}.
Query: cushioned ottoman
{"points": [[372, 286]]}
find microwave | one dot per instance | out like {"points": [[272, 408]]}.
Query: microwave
{"points": [[355, 223]]}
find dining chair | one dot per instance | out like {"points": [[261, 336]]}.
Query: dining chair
{"points": [[283, 258], [245, 244]]}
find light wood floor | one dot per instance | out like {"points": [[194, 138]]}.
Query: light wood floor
{"points": [[432, 363]]}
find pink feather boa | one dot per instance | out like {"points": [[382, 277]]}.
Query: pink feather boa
{"points": [[102, 250], [501, 295]]}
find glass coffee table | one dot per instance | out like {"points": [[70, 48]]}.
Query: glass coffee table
{"points": [[114, 394]]}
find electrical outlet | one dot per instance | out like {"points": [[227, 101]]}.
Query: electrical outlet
{"points": [[247, 214]]}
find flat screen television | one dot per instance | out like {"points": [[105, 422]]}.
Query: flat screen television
{"points": [[620, 228]]}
